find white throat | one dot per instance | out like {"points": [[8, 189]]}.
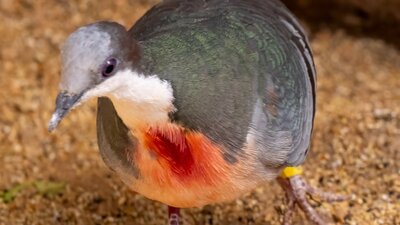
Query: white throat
{"points": [[139, 100]]}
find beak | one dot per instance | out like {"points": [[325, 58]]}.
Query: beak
{"points": [[64, 103]]}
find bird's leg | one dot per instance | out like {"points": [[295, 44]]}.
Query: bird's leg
{"points": [[173, 216], [289, 201], [296, 189]]}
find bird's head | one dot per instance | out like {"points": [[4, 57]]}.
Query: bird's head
{"points": [[92, 56]]}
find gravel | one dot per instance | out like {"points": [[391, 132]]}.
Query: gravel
{"points": [[60, 178]]}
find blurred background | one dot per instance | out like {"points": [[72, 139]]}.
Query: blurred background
{"points": [[60, 178]]}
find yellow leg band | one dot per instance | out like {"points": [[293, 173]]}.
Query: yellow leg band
{"points": [[291, 171]]}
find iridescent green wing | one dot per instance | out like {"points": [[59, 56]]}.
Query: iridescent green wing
{"points": [[235, 66]]}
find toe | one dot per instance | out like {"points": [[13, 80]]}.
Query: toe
{"points": [[323, 195]]}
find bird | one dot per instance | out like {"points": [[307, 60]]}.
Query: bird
{"points": [[200, 101]]}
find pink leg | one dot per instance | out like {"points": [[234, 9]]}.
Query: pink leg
{"points": [[173, 216], [290, 200], [296, 190]]}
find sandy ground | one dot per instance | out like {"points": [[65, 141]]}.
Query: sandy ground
{"points": [[60, 178]]}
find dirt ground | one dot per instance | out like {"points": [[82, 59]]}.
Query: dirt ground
{"points": [[60, 178]]}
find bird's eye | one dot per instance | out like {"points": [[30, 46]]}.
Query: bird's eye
{"points": [[108, 68]]}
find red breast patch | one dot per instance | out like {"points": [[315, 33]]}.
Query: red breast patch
{"points": [[170, 144], [186, 154]]}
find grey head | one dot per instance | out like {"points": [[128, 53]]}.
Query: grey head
{"points": [[91, 55]]}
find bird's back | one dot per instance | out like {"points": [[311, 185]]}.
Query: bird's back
{"points": [[239, 69]]}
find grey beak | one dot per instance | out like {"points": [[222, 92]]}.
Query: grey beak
{"points": [[64, 103]]}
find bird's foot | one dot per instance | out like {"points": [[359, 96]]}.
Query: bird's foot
{"points": [[173, 216], [296, 189]]}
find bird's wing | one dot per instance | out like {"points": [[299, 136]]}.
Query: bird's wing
{"points": [[115, 142], [237, 68]]}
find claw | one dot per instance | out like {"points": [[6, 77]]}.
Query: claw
{"points": [[296, 189]]}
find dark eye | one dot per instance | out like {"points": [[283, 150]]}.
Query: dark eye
{"points": [[109, 67]]}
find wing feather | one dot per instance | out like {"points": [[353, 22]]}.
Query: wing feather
{"points": [[239, 68]]}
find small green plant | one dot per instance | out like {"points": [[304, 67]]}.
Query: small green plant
{"points": [[44, 188], [9, 195], [49, 188]]}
